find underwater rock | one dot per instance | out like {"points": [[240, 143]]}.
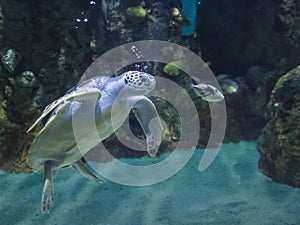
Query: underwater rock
{"points": [[127, 22], [288, 22], [63, 48], [279, 142], [261, 81], [38, 32], [26, 79], [161, 24], [10, 59]]}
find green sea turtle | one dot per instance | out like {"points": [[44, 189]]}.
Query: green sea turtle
{"points": [[55, 146]]}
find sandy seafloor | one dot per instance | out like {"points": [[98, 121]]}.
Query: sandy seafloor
{"points": [[231, 191]]}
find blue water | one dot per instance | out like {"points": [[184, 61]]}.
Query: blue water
{"points": [[230, 191], [189, 8]]}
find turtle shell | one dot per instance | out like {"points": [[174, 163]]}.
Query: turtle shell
{"points": [[56, 141]]}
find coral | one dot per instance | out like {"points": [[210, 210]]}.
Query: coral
{"points": [[136, 13], [26, 79], [172, 69], [228, 85], [279, 143], [10, 59], [175, 12]]}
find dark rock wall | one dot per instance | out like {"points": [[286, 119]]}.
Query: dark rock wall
{"points": [[52, 45], [236, 35], [256, 42]]}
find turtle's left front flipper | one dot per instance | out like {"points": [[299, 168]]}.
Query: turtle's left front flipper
{"points": [[150, 122], [79, 165]]}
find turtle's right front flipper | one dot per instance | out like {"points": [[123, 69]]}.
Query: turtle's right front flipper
{"points": [[150, 122]]}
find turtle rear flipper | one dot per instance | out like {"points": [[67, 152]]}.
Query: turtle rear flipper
{"points": [[79, 165], [47, 197]]}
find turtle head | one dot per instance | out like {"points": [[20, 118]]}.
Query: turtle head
{"points": [[129, 84], [138, 83]]}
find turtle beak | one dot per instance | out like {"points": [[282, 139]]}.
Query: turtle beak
{"points": [[148, 81]]}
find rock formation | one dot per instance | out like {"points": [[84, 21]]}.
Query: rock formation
{"points": [[279, 143]]}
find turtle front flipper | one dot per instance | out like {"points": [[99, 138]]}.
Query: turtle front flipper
{"points": [[79, 165], [47, 196], [150, 122]]}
